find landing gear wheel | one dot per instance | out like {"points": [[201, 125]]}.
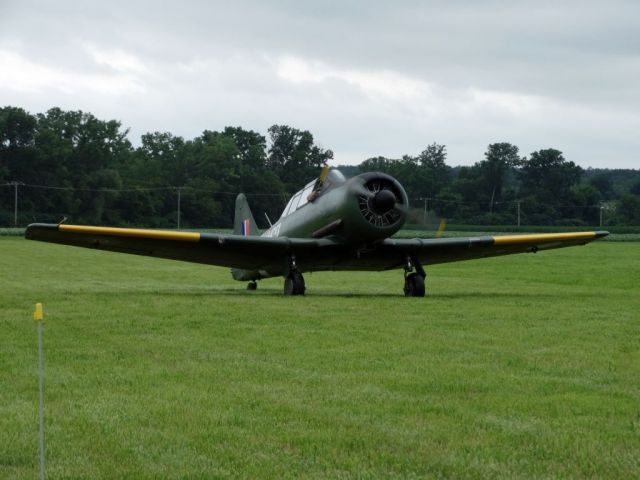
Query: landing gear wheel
{"points": [[414, 285], [294, 284], [252, 286]]}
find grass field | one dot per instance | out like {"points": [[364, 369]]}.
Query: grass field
{"points": [[521, 366]]}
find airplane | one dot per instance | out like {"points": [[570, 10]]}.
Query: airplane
{"points": [[332, 223]]}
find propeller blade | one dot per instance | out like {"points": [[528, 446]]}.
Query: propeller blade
{"points": [[324, 173], [319, 183]]}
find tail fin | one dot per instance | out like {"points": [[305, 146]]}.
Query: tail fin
{"points": [[244, 224]]}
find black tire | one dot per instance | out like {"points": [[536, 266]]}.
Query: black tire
{"points": [[294, 284], [414, 285], [252, 286], [288, 286]]}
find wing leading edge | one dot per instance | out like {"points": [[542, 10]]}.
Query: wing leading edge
{"points": [[270, 254], [251, 253], [444, 250]]}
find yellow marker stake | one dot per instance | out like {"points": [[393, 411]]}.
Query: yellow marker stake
{"points": [[38, 316], [37, 313]]}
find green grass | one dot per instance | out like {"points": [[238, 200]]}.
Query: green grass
{"points": [[521, 366]]}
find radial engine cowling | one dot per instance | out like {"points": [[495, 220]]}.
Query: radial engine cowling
{"points": [[381, 204]]}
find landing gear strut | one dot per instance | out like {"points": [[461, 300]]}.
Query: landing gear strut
{"points": [[293, 281], [413, 281]]}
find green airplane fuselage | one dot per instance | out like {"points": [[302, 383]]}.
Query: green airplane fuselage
{"points": [[336, 210], [343, 211]]}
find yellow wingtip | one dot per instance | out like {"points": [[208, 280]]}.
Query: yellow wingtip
{"points": [[131, 232], [542, 238]]}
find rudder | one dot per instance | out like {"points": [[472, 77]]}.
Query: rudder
{"points": [[244, 224]]}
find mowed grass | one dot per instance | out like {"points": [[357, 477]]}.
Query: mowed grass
{"points": [[521, 366]]}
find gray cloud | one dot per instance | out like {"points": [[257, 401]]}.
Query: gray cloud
{"points": [[366, 78]]}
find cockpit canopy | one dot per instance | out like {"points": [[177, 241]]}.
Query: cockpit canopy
{"points": [[301, 198]]}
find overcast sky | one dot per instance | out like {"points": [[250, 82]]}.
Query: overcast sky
{"points": [[366, 78]]}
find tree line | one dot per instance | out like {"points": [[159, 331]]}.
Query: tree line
{"points": [[70, 163], [542, 189]]}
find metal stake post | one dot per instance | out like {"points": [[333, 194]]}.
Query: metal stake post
{"points": [[37, 316]]}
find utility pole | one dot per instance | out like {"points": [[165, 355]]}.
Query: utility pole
{"points": [[15, 184], [424, 221], [179, 191], [518, 203], [493, 193], [601, 210]]}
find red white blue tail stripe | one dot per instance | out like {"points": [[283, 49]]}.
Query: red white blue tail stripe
{"points": [[246, 227]]}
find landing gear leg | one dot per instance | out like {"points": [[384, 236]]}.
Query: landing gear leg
{"points": [[252, 285], [413, 280], [293, 281]]}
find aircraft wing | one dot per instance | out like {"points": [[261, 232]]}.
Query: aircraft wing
{"points": [[251, 253], [443, 250], [270, 254]]}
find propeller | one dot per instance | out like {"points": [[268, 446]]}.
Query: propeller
{"points": [[319, 183], [380, 203], [323, 173], [441, 227]]}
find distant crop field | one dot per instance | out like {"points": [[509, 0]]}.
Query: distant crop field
{"points": [[511, 367]]}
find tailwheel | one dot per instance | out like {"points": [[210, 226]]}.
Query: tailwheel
{"points": [[252, 286], [294, 284], [414, 285]]}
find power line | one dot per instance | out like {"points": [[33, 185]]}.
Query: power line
{"points": [[478, 203], [141, 189]]}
